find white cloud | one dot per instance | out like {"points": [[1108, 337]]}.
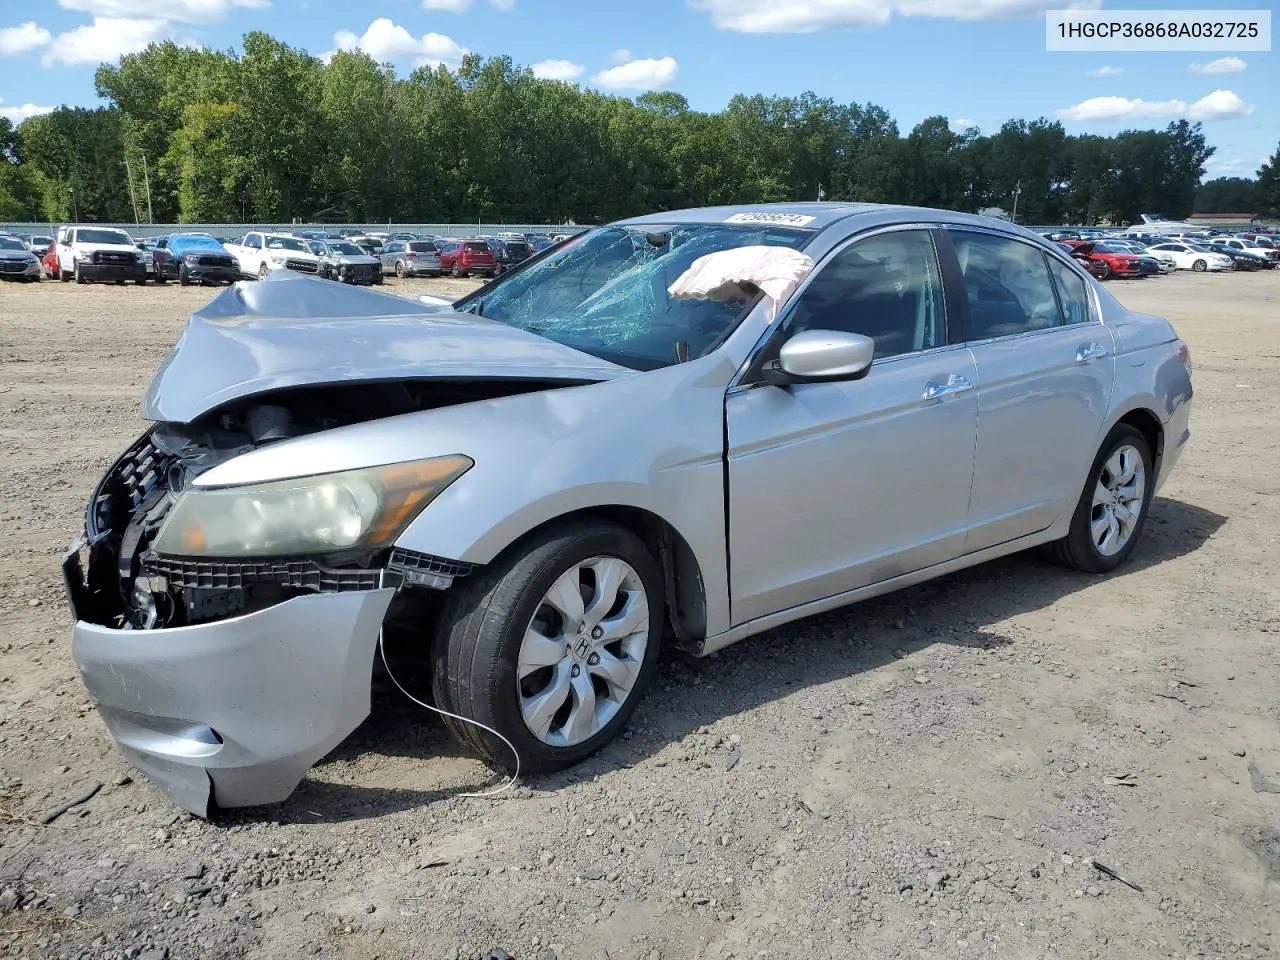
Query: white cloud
{"points": [[810, 16], [638, 75], [1222, 65], [621, 55], [195, 11], [23, 37], [1107, 72], [385, 40], [16, 114], [107, 39], [1223, 168], [558, 70], [1219, 105], [960, 124], [462, 6]]}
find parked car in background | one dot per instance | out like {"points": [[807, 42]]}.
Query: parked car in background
{"points": [[371, 245], [39, 244], [1250, 246], [1096, 268], [548, 482], [1194, 256], [411, 258], [405, 235], [1117, 261], [461, 258], [347, 262], [257, 254], [1241, 259], [194, 258], [88, 254], [1153, 264], [17, 262], [510, 253]]}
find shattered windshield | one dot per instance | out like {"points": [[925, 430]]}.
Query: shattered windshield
{"points": [[346, 249], [606, 293]]}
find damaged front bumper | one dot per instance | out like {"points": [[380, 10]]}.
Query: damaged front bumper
{"points": [[233, 712]]}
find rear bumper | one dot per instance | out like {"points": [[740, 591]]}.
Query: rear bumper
{"points": [[429, 269], [233, 713]]}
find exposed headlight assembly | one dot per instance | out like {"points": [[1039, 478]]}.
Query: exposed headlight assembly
{"points": [[356, 509], [279, 259]]}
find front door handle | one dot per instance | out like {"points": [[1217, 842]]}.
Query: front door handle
{"points": [[954, 384], [1090, 351]]}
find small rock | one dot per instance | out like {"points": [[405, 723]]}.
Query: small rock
{"points": [[34, 602], [160, 953], [934, 880], [1094, 891], [72, 911], [9, 900], [194, 871], [549, 954], [593, 873], [677, 848], [370, 908], [921, 678], [1237, 753]]}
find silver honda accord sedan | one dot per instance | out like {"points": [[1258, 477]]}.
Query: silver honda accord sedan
{"points": [[680, 429]]}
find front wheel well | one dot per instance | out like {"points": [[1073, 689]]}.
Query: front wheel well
{"points": [[686, 601]]}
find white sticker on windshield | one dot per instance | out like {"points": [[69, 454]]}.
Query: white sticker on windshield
{"points": [[778, 219]]}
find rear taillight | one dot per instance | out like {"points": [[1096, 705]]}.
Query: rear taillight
{"points": [[1184, 355]]}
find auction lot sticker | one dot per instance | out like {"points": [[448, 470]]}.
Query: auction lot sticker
{"points": [[1080, 31], [777, 219]]}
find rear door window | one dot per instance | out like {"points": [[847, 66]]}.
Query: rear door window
{"points": [[1073, 295], [1007, 286]]}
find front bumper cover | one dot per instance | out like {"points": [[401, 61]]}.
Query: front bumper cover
{"points": [[233, 713]]}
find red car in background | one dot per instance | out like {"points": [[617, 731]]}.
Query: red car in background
{"points": [[465, 257], [1112, 261], [50, 262], [1095, 267]]}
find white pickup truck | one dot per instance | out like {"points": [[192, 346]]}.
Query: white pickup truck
{"points": [[99, 253], [260, 253]]}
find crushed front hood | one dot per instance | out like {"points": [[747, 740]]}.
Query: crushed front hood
{"points": [[292, 330]]}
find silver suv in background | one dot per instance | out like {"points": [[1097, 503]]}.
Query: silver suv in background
{"points": [[411, 258], [681, 429]]}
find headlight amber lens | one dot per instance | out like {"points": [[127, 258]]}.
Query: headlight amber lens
{"points": [[364, 509]]}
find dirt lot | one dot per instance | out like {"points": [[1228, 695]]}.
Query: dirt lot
{"points": [[925, 775]]}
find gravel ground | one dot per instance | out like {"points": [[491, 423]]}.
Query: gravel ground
{"points": [[931, 774]]}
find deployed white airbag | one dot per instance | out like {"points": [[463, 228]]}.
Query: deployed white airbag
{"points": [[734, 276]]}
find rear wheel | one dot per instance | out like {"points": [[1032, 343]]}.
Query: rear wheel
{"points": [[1200, 266], [455, 271], [552, 645], [400, 271], [263, 271], [1104, 270], [1110, 514]]}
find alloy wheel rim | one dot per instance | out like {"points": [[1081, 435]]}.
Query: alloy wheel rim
{"points": [[1118, 500], [582, 652]]}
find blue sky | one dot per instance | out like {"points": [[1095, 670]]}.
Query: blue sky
{"points": [[977, 62]]}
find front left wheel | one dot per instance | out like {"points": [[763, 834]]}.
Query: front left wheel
{"points": [[552, 645]]}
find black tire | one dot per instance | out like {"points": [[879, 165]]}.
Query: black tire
{"points": [[1200, 266], [377, 278], [400, 271], [1077, 549], [63, 276], [263, 271], [455, 271], [1104, 270], [160, 279], [184, 278], [79, 277], [484, 619]]}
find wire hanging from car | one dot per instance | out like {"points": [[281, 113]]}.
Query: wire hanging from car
{"points": [[515, 774]]}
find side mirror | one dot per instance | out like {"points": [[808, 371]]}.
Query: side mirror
{"points": [[821, 356]]}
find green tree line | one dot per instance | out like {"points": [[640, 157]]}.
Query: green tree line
{"points": [[272, 133]]}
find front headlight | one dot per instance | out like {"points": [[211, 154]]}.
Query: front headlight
{"points": [[356, 509], [279, 259]]}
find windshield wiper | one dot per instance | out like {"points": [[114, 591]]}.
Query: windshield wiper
{"points": [[682, 351]]}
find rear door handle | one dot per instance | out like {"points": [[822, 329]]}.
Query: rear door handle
{"points": [[1090, 351], [954, 384]]}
